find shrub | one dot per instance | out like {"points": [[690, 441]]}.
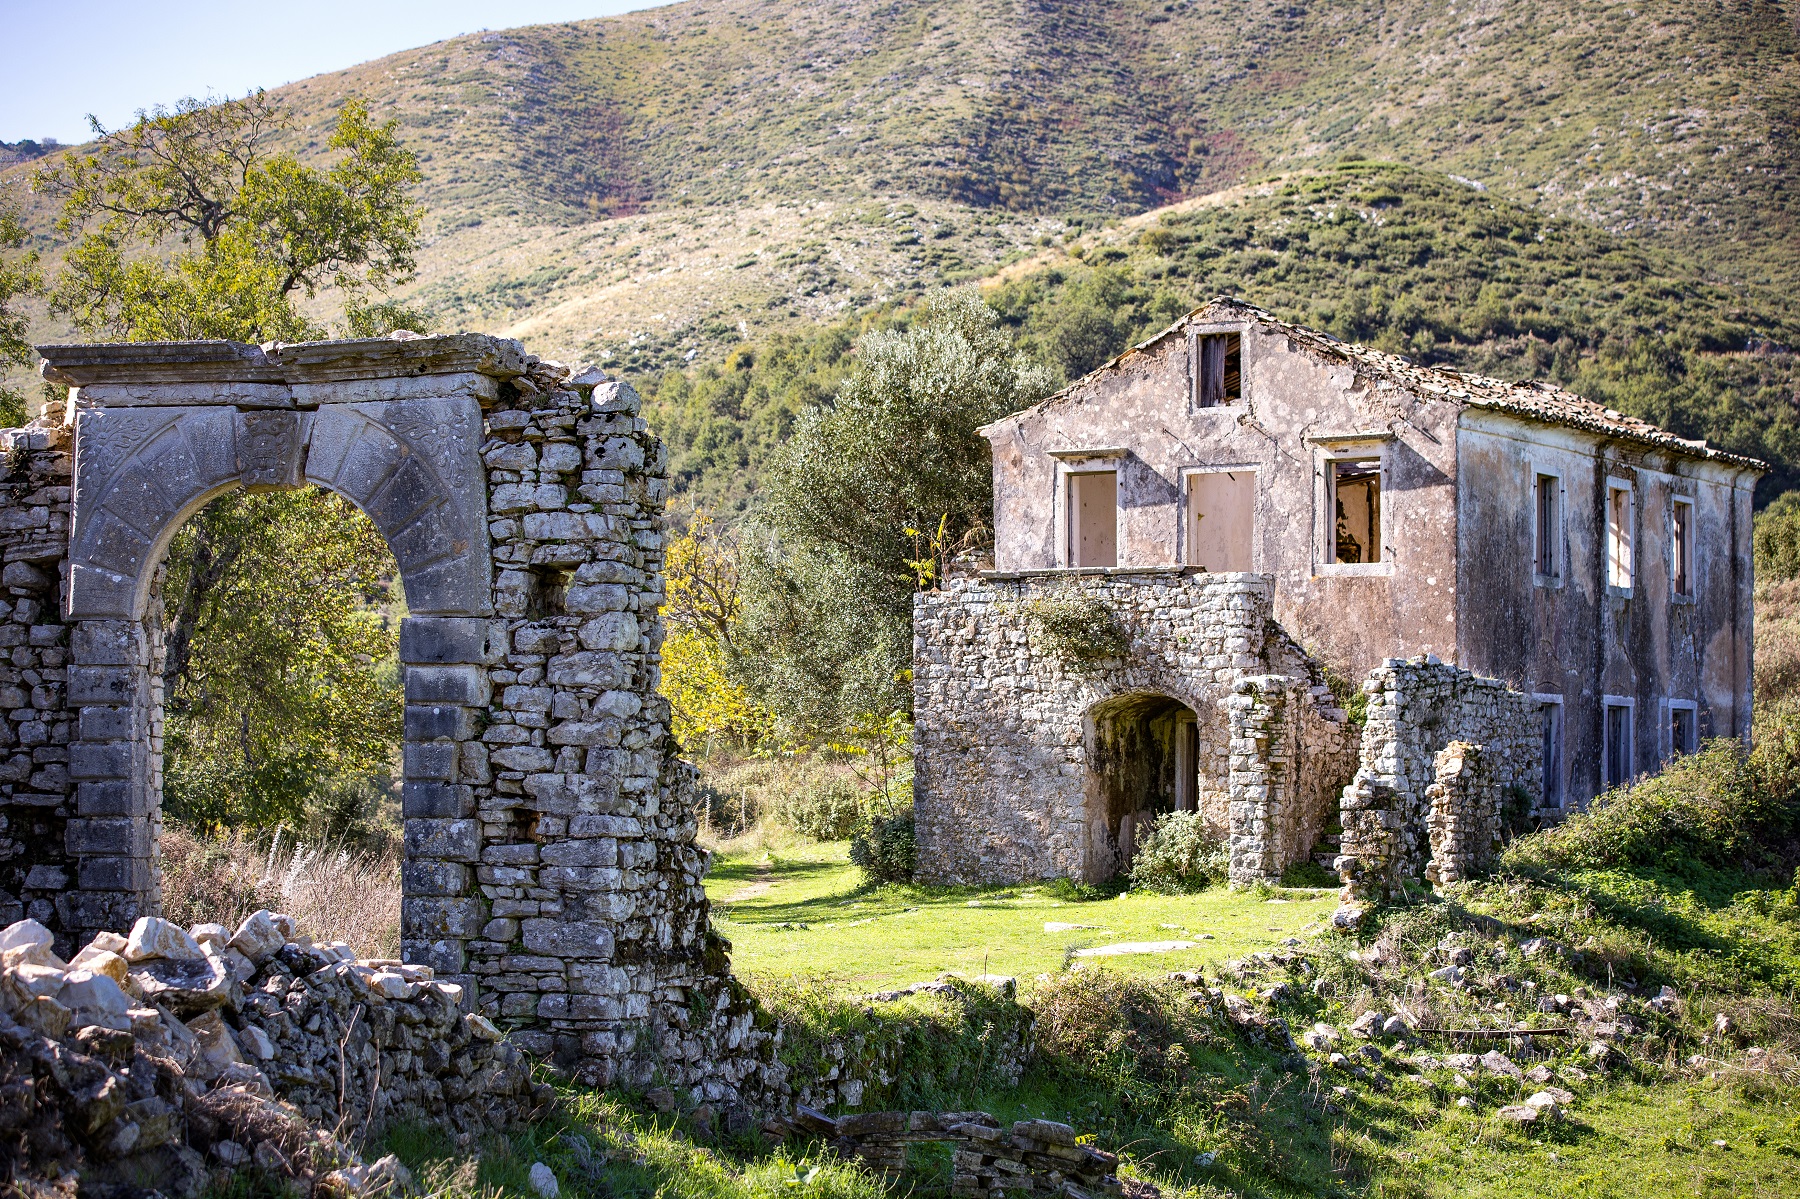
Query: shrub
{"points": [[1723, 807], [1776, 536], [887, 850], [1079, 630], [1179, 857], [825, 808]]}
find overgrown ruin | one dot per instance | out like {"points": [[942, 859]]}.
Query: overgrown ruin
{"points": [[1532, 597], [550, 869]]}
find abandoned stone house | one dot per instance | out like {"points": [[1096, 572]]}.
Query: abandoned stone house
{"points": [[1540, 597]]}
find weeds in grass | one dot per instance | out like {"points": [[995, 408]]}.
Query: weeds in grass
{"points": [[334, 893]]}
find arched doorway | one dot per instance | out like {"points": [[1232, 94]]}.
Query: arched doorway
{"points": [[1144, 758], [412, 465]]}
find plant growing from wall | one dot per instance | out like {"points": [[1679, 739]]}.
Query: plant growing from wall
{"points": [[1079, 632]]}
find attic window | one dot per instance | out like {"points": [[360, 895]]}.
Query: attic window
{"points": [[1219, 370]]}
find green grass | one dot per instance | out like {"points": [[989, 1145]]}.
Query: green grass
{"points": [[805, 910]]}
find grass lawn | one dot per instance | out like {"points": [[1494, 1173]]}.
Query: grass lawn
{"points": [[802, 908]]}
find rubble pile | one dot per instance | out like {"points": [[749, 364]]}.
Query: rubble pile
{"points": [[1034, 1157], [159, 1058]]}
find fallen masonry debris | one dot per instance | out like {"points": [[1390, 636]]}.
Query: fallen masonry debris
{"points": [[155, 1059], [1034, 1157]]}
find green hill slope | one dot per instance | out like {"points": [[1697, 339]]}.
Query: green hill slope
{"points": [[658, 188], [1411, 261]]}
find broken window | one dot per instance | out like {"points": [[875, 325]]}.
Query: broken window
{"points": [[1549, 528], [1221, 519], [1550, 730], [1094, 518], [1684, 727], [1356, 502], [1618, 535], [1220, 371], [1681, 546], [1616, 752]]}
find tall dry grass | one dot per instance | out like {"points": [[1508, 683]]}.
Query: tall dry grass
{"points": [[333, 892]]}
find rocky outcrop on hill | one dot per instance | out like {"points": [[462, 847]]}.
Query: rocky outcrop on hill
{"points": [[160, 1058]]}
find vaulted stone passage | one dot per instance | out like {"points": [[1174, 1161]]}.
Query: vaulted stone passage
{"points": [[550, 864], [1143, 761]]}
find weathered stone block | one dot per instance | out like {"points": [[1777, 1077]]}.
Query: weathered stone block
{"points": [[451, 840], [568, 939], [426, 918], [443, 640]]}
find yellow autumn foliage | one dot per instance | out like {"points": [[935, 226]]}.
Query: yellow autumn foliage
{"points": [[709, 706]]}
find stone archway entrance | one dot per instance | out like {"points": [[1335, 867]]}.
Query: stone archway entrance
{"points": [[153, 444], [1144, 758], [550, 865]]}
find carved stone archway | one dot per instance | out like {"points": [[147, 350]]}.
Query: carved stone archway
{"points": [[160, 430]]}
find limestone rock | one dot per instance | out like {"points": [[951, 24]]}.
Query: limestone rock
{"points": [[26, 942], [543, 1181], [187, 986], [258, 936], [210, 934], [153, 937]]}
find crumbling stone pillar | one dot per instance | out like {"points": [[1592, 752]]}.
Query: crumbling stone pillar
{"points": [[1465, 813]]}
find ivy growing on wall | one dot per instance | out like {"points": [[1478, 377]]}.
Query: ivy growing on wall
{"points": [[1079, 631]]}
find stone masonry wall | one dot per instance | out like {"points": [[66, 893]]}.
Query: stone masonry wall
{"points": [[584, 925], [1416, 708], [35, 867], [550, 869], [1003, 788]]}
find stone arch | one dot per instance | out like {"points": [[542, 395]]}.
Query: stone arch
{"points": [[412, 463], [1144, 753]]}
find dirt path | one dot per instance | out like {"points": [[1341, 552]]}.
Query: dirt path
{"points": [[757, 889]]}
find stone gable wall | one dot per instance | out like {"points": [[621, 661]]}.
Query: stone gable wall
{"points": [[1003, 745]]}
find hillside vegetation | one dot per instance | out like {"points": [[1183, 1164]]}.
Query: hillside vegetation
{"points": [[1409, 260], [662, 183]]}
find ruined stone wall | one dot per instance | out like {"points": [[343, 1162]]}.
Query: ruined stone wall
{"points": [[550, 865], [1417, 708], [586, 927], [35, 867], [1005, 788]]}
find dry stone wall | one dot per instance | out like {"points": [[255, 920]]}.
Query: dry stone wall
{"points": [[35, 868], [1006, 777], [1413, 787]]}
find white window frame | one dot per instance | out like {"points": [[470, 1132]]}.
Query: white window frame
{"points": [[1083, 462], [1666, 733], [1184, 538], [1331, 450], [1614, 484], [1560, 544], [1693, 549], [1607, 703], [1547, 699]]}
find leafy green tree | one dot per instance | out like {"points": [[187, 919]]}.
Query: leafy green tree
{"points": [[17, 279], [188, 227], [828, 622], [281, 680], [282, 693]]}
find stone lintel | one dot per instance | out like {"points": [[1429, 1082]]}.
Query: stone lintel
{"points": [[185, 362]]}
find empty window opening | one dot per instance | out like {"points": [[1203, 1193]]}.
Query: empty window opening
{"points": [[549, 595], [1094, 518], [1618, 536], [1548, 564], [1681, 546], [1356, 502], [1221, 370], [1221, 520], [1684, 727], [1550, 732], [1616, 752]]}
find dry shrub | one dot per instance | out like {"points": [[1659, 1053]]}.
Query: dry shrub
{"points": [[1777, 643], [334, 893], [1101, 1024]]}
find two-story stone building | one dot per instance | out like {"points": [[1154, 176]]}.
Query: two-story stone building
{"points": [[1360, 508]]}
